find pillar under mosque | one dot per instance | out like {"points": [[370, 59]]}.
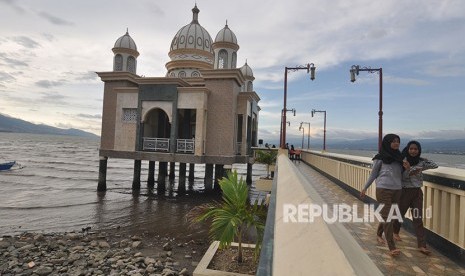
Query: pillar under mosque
{"points": [[151, 176], [182, 178], [162, 173], [191, 172], [136, 176], [219, 173], [102, 174], [172, 170], [208, 180]]}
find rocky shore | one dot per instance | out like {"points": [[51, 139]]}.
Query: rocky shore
{"points": [[98, 253]]}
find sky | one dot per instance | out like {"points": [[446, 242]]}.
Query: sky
{"points": [[51, 49]]}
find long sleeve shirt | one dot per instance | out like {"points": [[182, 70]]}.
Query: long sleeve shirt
{"points": [[387, 176], [413, 178]]}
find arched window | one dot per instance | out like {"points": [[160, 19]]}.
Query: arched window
{"points": [[195, 74], [118, 66], [222, 59], [131, 66], [249, 86], [182, 74], [234, 60]]}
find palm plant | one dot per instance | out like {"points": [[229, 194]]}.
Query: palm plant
{"points": [[232, 217], [266, 157]]}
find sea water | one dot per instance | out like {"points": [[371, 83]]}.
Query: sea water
{"points": [[56, 190]]}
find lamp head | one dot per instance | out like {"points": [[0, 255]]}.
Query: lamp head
{"points": [[354, 70], [352, 75], [312, 71]]}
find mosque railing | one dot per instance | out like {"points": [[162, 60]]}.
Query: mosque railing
{"points": [[185, 145], [156, 144]]}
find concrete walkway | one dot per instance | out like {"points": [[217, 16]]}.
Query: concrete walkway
{"points": [[410, 262]]}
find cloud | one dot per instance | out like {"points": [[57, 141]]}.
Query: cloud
{"points": [[12, 4], [49, 84], [89, 75], [438, 134], [5, 77], [89, 116], [12, 62], [25, 41], [48, 36], [64, 126], [55, 20]]}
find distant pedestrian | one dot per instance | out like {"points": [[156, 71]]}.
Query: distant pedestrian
{"points": [[387, 171], [412, 195]]}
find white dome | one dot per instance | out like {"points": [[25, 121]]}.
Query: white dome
{"points": [[192, 36], [246, 70], [126, 41], [226, 35]]}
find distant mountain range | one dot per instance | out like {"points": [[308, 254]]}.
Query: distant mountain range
{"points": [[10, 124], [448, 146]]}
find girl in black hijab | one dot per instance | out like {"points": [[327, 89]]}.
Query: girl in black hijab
{"points": [[412, 195], [387, 171]]}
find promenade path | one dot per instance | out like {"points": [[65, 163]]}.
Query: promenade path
{"points": [[410, 262]]}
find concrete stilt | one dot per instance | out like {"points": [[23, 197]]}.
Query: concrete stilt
{"points": [[191, 172], [102, 174], [219, 173], [136, 177], [182, 178], [248, 179], [162, 173], [151, 177], [172, 170], [208, 181]]}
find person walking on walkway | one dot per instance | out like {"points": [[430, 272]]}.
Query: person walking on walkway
{"points": [[412, 195], [387, 170]]}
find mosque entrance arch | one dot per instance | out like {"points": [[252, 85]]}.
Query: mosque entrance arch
{"points": [[157, 129]]}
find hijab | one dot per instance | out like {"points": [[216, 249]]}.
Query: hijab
{"points": [[386, 153], [412, 160]]}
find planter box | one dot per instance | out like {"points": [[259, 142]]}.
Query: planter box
{"points": [[263, 185], [202, 268]]}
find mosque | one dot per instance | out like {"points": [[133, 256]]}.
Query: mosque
{"points": [[203, 111]]}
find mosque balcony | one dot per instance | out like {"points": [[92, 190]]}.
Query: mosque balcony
{"points": [[163, 145]]}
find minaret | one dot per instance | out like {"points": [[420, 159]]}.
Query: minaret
{"points": [[125, 58], [225, 49]]}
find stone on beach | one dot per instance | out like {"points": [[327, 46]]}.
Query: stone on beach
{"points": [[92, 254]]}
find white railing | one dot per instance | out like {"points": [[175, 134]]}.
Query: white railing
{"points": [[445, 204], [185, 145], [156, 144]]}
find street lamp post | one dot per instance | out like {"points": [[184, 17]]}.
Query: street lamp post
{"points": [[354, 70], [283, 123], [324, 129], [308, 136], [303, 133], [310, 67]]}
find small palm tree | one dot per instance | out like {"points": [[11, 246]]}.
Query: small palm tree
{"points": [[266, 157], [233, 216]]}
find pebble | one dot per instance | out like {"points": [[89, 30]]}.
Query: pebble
{"points": [[89, 253]]}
